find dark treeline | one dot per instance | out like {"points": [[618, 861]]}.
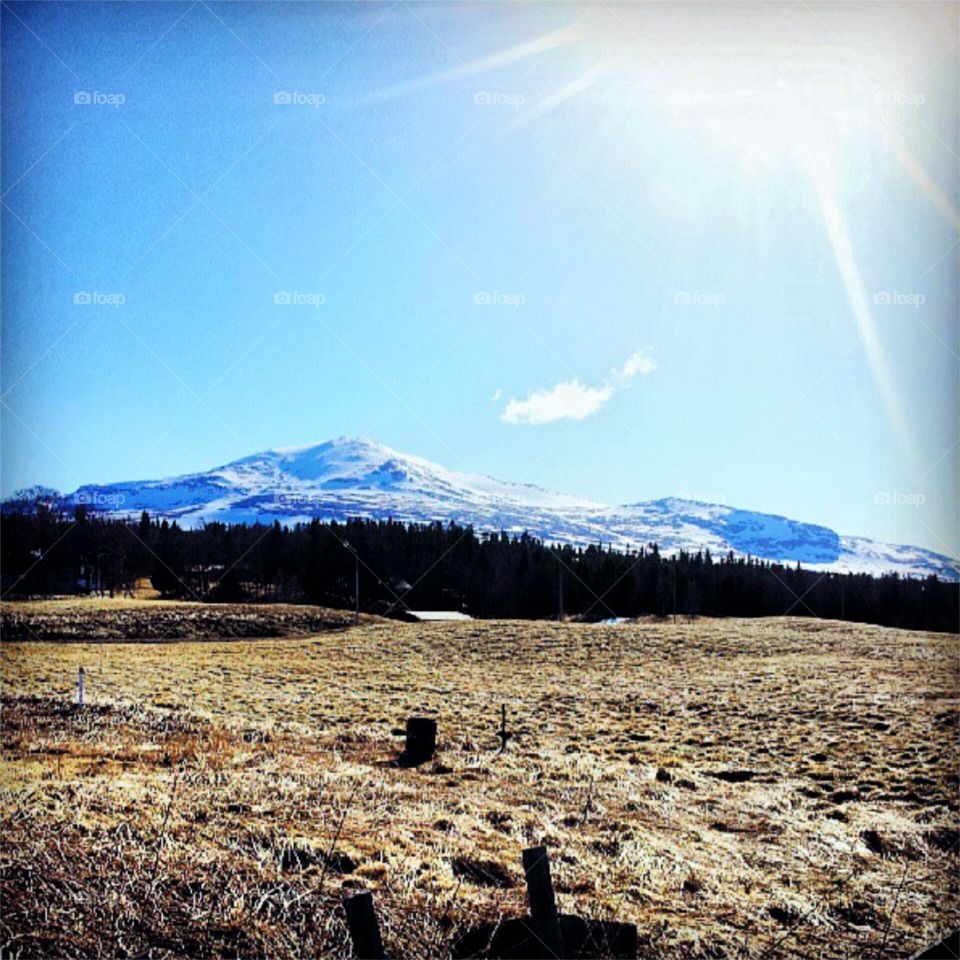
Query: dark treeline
{"points": [[50, 549]]}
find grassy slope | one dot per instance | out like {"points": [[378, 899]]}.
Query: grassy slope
{"points": [[193, 815], [122, 618]]}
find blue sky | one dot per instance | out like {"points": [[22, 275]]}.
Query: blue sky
{"points": [[622, 251]]}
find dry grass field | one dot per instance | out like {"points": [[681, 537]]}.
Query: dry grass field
{"points": [[777, 788]]}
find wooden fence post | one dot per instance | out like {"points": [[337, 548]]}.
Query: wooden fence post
{"points": [[503, 733], [421, 739], [543, 906], [80, 687], [363, 926]]}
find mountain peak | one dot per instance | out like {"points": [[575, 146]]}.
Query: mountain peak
{"points": [[348, 445], [329, 461]]}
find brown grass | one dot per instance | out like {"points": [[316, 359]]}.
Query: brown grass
{"points": [[736, 788]]}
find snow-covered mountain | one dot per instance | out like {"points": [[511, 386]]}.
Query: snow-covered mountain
{"points": [[346, 478]]}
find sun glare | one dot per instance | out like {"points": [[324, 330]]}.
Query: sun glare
{"points": [[768, 125]]}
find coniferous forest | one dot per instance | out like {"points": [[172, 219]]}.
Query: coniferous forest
{"points": [[50, 549]]}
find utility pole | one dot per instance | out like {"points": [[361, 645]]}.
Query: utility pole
{"points": [[559, 592], [356, 581], [674, 589]]}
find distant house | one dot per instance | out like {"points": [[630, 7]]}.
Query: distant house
{"points": [[201, 577], [420, 616]]}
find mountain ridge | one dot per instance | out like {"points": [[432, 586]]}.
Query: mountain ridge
{"points": [[358, 477]]}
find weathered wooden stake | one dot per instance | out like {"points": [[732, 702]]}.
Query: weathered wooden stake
{"points": [[543, 906], [421, 738], [503, 733], [363, 926], [80, 688]]}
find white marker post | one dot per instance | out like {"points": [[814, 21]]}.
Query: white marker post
{"points": [[80, 688]]}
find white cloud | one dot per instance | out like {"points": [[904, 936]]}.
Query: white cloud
{"points": [[573, 400], [640, 362], [570, 400], [496, 395]]}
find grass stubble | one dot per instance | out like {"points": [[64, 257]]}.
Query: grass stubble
{"points": [[736, 788]]}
